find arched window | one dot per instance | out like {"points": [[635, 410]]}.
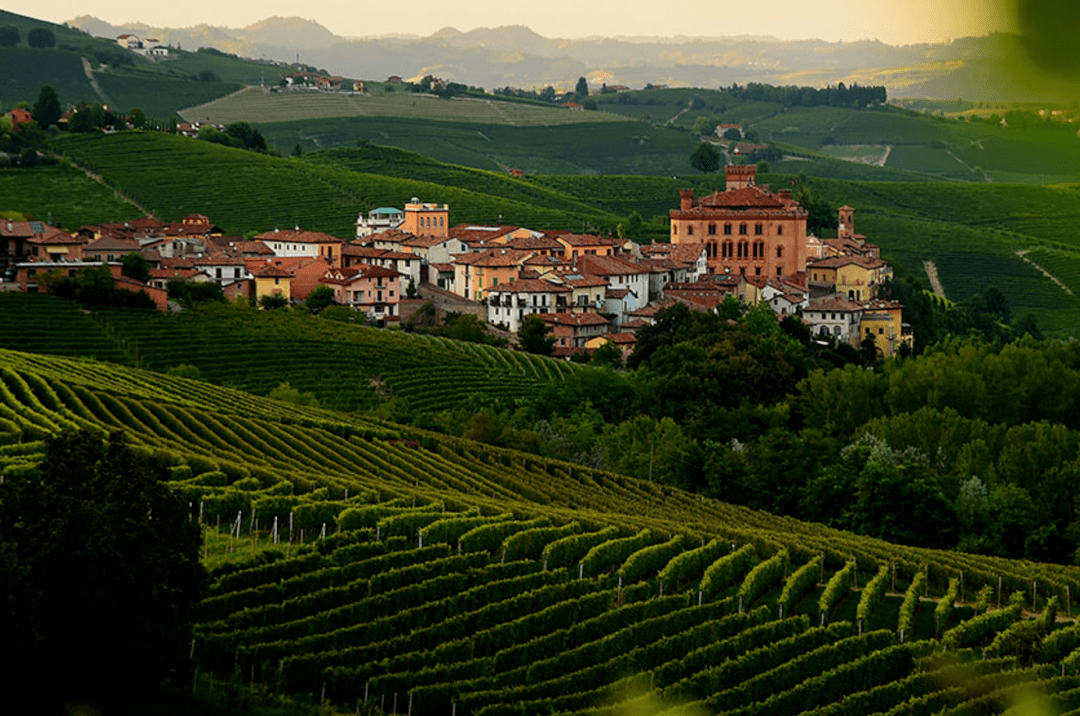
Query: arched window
{"points": [[727, 229], [712, 229], [728, 249], [742, 229], [759, 229]]}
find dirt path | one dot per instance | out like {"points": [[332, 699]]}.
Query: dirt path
{"points": [[935, 282], [101, 180], [970, 168], [885, 156], [89, 72], [681, 113], [1022, 253]]}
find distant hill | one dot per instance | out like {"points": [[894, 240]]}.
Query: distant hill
{"points": [[982, 68]]}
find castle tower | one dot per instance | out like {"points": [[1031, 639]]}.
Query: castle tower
{"points": [[740, 176], [686, 199], [845, 227], [430, 219]]}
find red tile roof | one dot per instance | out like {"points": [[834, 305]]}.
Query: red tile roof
{"points": [[299, 236]]}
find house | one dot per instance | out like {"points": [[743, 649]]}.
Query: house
{"points": [[407, 264], [701, 294], [372, 289], [15, 237], [618, 302], [128, 42], [509, 303], [858, 278], [689, 256], [271, 280], [160, 277], [19, 117], [378, 220], [477, 272], [296, 243], [55, 245], [109, 248], [575, 245], [28, 273], [222, 268], [619, 273], [836, 317], [883, 321], [328, 83], [746, 229], [587, 293], [573, 330]]}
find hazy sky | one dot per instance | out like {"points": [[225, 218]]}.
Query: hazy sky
{"points": [[891, 21]]}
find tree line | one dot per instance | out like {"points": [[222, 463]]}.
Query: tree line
{"points": [[792, 96]]}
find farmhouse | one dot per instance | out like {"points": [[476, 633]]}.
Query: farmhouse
{"points": [[747, 229]]}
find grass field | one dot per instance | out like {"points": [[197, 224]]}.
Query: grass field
{"points": [[59, 68], [255, 104], [63, 194]]}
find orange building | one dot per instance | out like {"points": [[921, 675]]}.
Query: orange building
{"points": [[746, 230], [429, 219]]}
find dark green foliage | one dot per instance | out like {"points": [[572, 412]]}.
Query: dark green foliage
{"points": [[135, 266], [533, 336], [706, 159], [97, 287], [47, 107], [96, 550], [9, 35], [273, 302], [192, 293], [321, 297], [41, 37]]}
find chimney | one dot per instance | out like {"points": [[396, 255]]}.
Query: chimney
{"points": [[686, 199]]}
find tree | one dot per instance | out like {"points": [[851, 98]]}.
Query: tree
{"points": [[96, 553], [297, 151], [41, 37], [705, 158], [9, 36], [733, 135], [533, 336], [137, 118], [703, 126], [133, 265], [47, 108], [319, 298], [272, 302], [581, 90]]}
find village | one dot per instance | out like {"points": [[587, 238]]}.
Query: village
{"points": [[746, 243]]}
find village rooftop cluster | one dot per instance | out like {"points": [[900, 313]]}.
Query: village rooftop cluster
{"points": [[746, 242]]}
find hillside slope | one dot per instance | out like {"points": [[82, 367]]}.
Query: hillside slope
{"points": [[413, 571]]}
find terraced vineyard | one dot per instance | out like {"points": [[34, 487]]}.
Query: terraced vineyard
{"points": [[244, 191], [255, 351], [427, 575]]}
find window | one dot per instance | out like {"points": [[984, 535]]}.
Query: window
{"points": [[758, 229], [689, 230], [780, 255], [744, 250], [779, 271], [780, 230], [712, 229], [759, 249], [757, 270], [742, 229], [728, 249], [727, 229]]}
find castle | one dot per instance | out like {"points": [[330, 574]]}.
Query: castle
{"points": [[747, 230]]}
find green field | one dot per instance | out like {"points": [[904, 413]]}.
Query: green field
{"points": [[458, 577], [63, 194], [242, 191], [258, 105]]}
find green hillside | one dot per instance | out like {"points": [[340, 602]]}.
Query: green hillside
{"points": [[126, 79], [597, 147], [243, 191], [335, 362], [62, 193], [456, 576]]}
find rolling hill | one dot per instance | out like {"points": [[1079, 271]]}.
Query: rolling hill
{"points": [[410, 571]]}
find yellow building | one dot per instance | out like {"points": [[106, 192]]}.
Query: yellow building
{"points": [[272, 280], [856, 278], [883, 321]]}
